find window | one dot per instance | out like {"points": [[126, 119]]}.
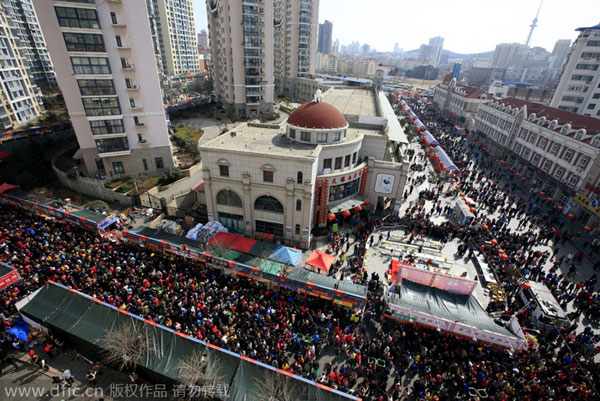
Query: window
{"points": [[535, 159], [326, 163], [132, 102], [159, 162], [337, 192], [299, 177], [90, 65], [99, 164], [145, 163], [590, 55], [337, 136], [113, 18], [108, 145], [573, 180], [118, 168], [101, 106], [587, 78], [583, 162], [305, 136], [118, 39], [269, 228], [532, 137], [268, 204], [338, 163], [83, 42], [347, 161], [591, 67], [322, 137], [526, 153], [292, 133], [354, 156], [267, 176], [107, 127], [546, 166], [298, 205], [136, 121], [559, 172], [554, 149], [596, 96], [227, 197], [297, 229], [517, 148], [568, 155], [223, 171], [591, 106], [72, 17], [593, 43], [543, 143], [523, 133], [96, 87]]}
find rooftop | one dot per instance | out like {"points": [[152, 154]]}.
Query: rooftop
{"points": [[317, 115], [357, 102]]}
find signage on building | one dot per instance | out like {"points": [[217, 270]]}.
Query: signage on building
{"points": [[592, 205], [384, 183]]}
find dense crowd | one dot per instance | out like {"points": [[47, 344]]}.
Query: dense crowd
{"points": [[367, 355]]}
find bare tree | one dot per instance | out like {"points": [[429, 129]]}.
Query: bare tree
{"points": [[198, 372], [276, 387], [124, 344]]}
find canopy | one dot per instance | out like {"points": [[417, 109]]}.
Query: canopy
{"points": [[84, 320], [7, 187], [419, 123], [445, 159], [430, 138], [284, 254], [320, 260], [233, 241]]}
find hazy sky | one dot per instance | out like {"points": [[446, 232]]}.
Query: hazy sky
{"points": [[468, 26]]}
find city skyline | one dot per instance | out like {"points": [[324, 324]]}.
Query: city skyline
{"points": [[557, 20]]}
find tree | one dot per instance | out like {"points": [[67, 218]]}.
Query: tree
{"points": [[198, 372], [124, 344], [276, 387]]}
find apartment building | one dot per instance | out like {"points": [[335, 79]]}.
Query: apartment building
{"points": [[22, 19], [295, 42], [578, 90], [459, 101], [177, 36], [19, 98], [105, 67], [553, 150]]}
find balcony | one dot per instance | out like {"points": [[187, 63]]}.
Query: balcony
{"points": [[133, 87], [137, 107], [128, 67], [119, 25], [115, 1], [115, 153]]}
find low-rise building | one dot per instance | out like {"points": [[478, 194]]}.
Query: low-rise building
{"points": [[459, 101], [281, 180], [555, 151]]}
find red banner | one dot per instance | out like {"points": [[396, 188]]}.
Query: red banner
{"points": [[9, 279]]}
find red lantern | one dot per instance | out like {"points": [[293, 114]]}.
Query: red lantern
{"points": [[571, 215], [560, 208], [504, 256], [502, 162], [462, 194], [500, 251], [588, 229], [494, 242], [357, 208], [522, 178], [346, 213], [457, 186], [485, 227], [472, 210], [518, 174], [511, 169], [331, 217], [542, 193], [367, 202], [549, 199]]}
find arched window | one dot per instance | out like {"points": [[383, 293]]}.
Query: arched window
{"points": [[298, 205], [268, 204], [565, 129], [299, 177], [596, 141], [229, 198]]}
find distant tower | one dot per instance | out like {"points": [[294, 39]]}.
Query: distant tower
{"points": [[534, 24]]}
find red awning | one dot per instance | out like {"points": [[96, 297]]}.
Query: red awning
{"points": [[7, 187], [233, 241], [199, 186], [396, 264], [320, 260]]}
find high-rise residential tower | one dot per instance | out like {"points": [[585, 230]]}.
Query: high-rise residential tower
{"points": [[23, 22], [578, 90], [325, 33], [177, 36], [19, 98], [105, 66], [295, 42], [560, 53]]}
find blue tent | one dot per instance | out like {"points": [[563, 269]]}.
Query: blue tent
{"points": [[284, 254], [20, 330]]}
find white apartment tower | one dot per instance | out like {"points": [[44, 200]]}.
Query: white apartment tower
{"points": [[578, 90], [296, 28], [241, 41], [19, 102], [177, 36], [105, 67], [26, 31]]}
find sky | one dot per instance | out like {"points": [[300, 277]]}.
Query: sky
{"points": [[468, 26]]}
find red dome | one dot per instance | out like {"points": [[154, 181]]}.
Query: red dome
{"points": [[317, 116]]}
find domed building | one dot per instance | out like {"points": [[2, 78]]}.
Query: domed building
{"points": [[279, 181]]}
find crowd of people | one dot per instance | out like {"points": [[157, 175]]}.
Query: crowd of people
{"points": [[357, 352]]}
